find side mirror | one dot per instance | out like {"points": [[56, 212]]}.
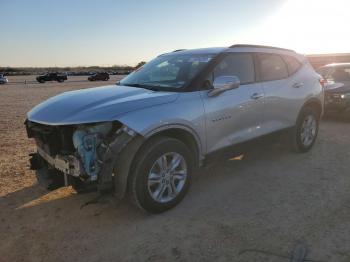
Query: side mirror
{"points": [[224, 83]]}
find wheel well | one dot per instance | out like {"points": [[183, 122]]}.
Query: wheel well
{"points": [[184, 136], [314, 104]]}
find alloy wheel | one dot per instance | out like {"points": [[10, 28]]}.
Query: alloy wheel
{"points": [[167, 177]]}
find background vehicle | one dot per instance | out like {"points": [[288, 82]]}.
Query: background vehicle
{"points": [[51, 77], [3, 79], [148, 134], [337, 86], [99, 77]]}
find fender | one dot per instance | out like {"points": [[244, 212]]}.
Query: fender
{"points": [[160, 129], [123, 165], [312, 102]]}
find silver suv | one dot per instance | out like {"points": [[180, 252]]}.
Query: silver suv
{"points": [[146, 134]]}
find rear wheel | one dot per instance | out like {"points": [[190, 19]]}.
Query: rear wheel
{"points": [[161, 174], [304, 134]]}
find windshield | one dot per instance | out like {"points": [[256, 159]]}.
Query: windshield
{"points": [[168, 72], [336, 74]]}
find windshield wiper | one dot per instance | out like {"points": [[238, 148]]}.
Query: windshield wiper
{"points": [[153, 88]]}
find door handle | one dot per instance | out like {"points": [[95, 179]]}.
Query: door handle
{"points": [[256, 96], [297, 85]]}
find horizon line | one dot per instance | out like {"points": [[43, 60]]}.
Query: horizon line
{"points": [[125, 65]]}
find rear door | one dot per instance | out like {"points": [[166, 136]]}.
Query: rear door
{"points": [[235, 115], [283, 87]]}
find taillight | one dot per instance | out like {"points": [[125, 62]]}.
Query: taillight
{"points": [[323, 82]]}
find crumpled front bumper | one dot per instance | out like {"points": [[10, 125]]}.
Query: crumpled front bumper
{"points": [[117, 153], [67, 165]]}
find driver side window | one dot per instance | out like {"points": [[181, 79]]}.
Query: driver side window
{"points": [[236, 64]]}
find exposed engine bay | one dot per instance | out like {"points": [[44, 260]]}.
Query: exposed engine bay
{"points": [[87, 142], [83, 156]]}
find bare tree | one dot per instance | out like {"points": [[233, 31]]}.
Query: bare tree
{"points": [[140, 64]]}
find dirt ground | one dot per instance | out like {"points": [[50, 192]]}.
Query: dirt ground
{"points": [[254, 209]]}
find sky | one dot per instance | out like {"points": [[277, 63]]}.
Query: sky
{"points": [[125, 32]]}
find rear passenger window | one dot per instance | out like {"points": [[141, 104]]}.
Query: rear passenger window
{"points": [[272, 67], [292, 63], [240, 65]]}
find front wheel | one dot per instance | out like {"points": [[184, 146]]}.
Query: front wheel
{"points": [[304, 133], [161, 174]]}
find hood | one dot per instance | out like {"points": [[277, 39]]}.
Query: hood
{"points": [[97, 104], [338, 87]]}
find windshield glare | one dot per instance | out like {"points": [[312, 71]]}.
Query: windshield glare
{"points": [[171, 71]]}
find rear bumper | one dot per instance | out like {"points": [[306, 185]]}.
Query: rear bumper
{"points": [[337, 105], [336, 102]]}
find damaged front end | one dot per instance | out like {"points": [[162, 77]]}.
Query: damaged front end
{"points": [[84, 156]]}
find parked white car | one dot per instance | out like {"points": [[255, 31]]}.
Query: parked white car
{"points": [[3, 79]]}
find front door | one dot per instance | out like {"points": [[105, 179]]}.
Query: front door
{"points": [[236, 115]]}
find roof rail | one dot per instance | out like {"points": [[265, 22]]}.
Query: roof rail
{"points": [[261, 46], [178, 50]]}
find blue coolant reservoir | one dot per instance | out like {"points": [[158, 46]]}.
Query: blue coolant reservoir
{"points": [[86, 141]]}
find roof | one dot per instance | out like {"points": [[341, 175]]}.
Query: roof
{"points": [[261, 46], [236, 48], [211, 50]]}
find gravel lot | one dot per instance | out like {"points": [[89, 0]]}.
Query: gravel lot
{"points": [[253, 209]]}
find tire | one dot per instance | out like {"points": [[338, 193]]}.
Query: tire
{"points": [[60, 80], [41, 81], [150, 191], [304, 133]]}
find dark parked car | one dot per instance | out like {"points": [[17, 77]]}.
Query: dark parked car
{"points": [[52, 77], [337, 86], [99, 77]]}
